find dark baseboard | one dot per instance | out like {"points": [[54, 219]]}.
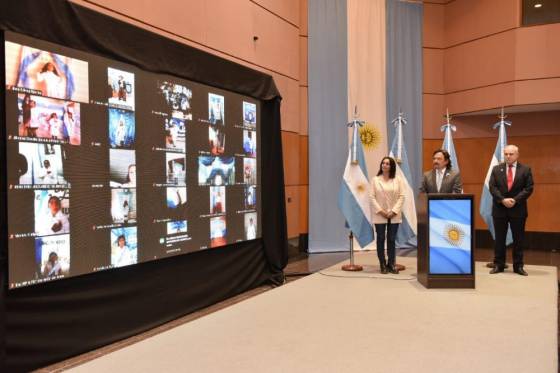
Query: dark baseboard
{"points": [[546, 241]]}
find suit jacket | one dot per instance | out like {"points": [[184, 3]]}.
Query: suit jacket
{"points": [[521, 189], [451, 182], [388, 196]]}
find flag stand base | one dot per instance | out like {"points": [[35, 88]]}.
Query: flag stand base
{"points": [[352, 267], [400, 267]]}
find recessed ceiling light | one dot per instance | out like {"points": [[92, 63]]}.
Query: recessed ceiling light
{"points": [[538, 5]]}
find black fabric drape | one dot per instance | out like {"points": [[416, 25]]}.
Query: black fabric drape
{"points": [[46, 323], [3, 215]]}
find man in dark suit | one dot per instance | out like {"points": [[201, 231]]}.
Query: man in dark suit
{"points": [[511, 183], [441, 179]]}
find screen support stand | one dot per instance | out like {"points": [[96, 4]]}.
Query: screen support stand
{"points": [[352, 267]]}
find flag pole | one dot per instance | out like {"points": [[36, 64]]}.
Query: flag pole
{"points": [[352, 266], [355, 138]]}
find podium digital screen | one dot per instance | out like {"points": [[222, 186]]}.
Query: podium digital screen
{"points": [[109, 165], [450, 249]]}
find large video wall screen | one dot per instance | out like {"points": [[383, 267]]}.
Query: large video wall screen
{"points": [[109, 165]]}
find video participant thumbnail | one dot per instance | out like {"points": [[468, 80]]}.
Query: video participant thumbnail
{"points": [[175, 134], [249, 170], [175, 169], [216, 171], [123, 206], [121, 128], [52, 212], [250, 114], [43, 164], [250, 197], [51, 74], [122, 164], [48, 118], [177, 98], [216, 109], [124, 246], [52, 255], [250, 143], [218, 231], [176, 197], [177, 226], [250, 221], [217, 199], [120, 88], [216, 139]]}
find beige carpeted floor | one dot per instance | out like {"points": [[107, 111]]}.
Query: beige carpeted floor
{"points": [[336, 321]]}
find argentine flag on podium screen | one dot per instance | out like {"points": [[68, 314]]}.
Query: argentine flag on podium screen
{"points": [[497, 158], [353, 197], [450, 236]]}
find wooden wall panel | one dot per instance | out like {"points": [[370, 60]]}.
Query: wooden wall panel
{"points": [[537, 54], [303, 160], [303, 209], [480, 63], [287, 9], [303, 111], [434, 109], [278, 43], [433, 71], [483, 18], [290, 149], [292, 210], [303, 60], [433, 26], [303, 17]]}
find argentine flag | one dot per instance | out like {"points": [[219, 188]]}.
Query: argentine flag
{"points": [[486, 199], [353, 196], [450, 236], [448, 145], [406, 235]]}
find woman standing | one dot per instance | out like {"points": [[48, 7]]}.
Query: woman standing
{"points": [[387, 197]]}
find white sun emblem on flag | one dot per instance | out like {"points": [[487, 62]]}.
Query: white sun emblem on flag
{"points": [[454, 235]]}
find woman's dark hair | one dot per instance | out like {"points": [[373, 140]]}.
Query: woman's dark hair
{"points": [[446, 156], [45, 68], [121, 236], [128, 173], [392, 170]]}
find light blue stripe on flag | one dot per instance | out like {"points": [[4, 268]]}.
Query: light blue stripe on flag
{"points": [[353, 197], [486, 199]]}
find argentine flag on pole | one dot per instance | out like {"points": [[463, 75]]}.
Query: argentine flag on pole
{"points": [[498, 157], [448, 142], [406, 235], [353, 196]]}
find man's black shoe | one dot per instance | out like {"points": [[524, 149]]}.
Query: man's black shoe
{"points": [[496, 269]]}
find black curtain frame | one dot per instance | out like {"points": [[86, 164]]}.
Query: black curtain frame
{"points": [[46, 323]]}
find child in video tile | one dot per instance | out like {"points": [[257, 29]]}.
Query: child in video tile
{"points": [[251, 230], [54, 222], [54, 125], [52, 268], [124, 255], [49, 76], [47, 174]]}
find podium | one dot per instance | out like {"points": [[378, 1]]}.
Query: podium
{"points": [[446, 240]]}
